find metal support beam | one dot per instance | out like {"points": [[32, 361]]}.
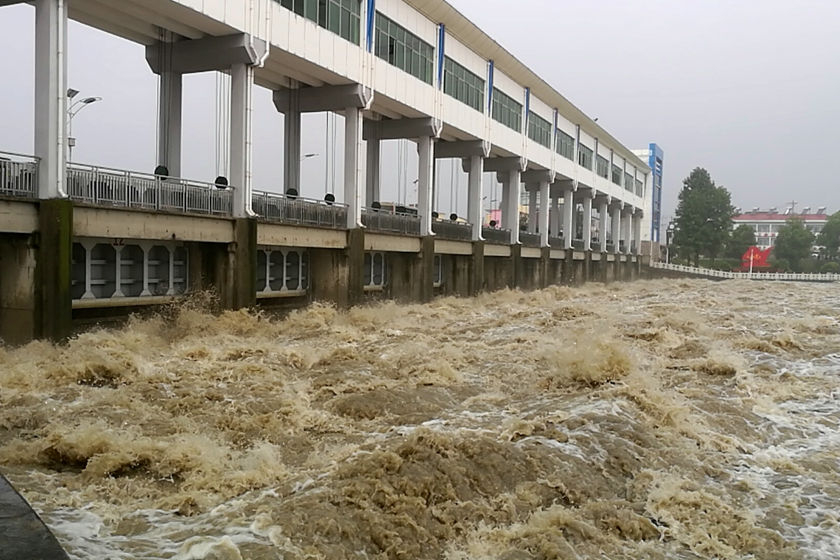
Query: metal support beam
{"points": [[169, 121], [291, 141]]}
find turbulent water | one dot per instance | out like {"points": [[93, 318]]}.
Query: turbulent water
{"points": [[667, 419]]}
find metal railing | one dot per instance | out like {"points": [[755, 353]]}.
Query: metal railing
{"points": [[596, 246], [101, 186], [283, 209], [495, 235], [621, 246], [18, 175], [391, 222], [459, 231], [781, 276], [529, 239], [577, 244], [610, 247]]}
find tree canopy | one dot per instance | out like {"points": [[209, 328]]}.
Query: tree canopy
{"points": [[829, 237], [794, 242], [703, 217], [742, 238]]}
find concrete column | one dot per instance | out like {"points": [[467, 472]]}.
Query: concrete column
{"points": [[603, 215], [615, 231], [476, 194], [625, 227], [568, 218], [51, 96], [555, 217], [510, 213], [170, 102], [53, 301], [291, 142], [587, 222], [637, 231], [425, 182], [354, 179], [532, 210], [241, 84], [543, 219], [242, 266], [372, 193]]}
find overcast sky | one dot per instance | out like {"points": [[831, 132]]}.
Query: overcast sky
{"points": [[748, 89]]}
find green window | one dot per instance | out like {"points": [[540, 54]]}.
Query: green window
{"points": [[565, 145], [584, 156], [506, 110], [629, 181], [603, 167], [403, 49], [539, 130], [463, 85], [342, 17], [616, 175]]}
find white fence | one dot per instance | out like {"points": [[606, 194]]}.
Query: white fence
{"points": [[18, 175], [781, 276]]}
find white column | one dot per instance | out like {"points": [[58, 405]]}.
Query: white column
{"points": [[291, 144], [615, 233], [514, 186], [625, 226], [603, 217], [543, 218], [241, 83], [476, 194], [169, 121], [425, 179], [354, 179], [532, 211], [555, 217], [637, 231], [372, 171], [587, 222], [568, 218], [51, 96]]}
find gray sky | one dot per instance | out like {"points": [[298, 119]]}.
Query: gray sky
{"points": [[748, 89]]}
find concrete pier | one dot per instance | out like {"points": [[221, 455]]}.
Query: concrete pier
{"points": [[23, 536]]}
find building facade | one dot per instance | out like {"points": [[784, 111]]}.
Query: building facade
{"points": [[655, 157], [768, 223]]}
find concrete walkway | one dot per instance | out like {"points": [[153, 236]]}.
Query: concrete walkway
{"points": [[23, 536]]}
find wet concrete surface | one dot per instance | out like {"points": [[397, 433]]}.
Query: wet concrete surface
{"points": [[23, 536]]}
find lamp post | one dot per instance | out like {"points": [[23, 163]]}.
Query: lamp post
{"points": [[72, 111]]}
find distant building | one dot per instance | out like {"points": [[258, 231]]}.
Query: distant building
{"points": [[767, 223], [653, 199]]}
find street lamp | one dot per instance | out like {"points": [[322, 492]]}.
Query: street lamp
{"points": [[72, 111]]}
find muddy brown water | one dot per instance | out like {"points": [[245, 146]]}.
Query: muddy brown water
{"points": [[653, 420]]}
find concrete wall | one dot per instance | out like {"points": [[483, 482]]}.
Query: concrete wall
{"points": [[17, 288]]}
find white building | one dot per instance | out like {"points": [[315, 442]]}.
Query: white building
{"points": [[768, 223]]}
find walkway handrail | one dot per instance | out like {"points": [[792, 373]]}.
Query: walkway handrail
{"points": [[18, 175], [729, 275], [282, 208], [496, 235], [99, 185], [378, 219], [447, 229]]}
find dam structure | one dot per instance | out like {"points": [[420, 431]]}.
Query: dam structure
{"points": [[80, 242]]}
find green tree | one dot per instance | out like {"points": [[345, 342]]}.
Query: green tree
{"points": [[741, 239], [829, 237], [703, 217], [794, 243]]}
